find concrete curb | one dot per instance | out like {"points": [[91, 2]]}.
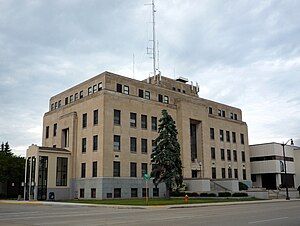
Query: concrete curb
{"points": [[145, 207]]}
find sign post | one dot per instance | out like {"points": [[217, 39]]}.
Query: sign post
{"points": [[147, 178]]}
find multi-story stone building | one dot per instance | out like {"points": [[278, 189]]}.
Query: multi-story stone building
{"points": [[98, 137]]}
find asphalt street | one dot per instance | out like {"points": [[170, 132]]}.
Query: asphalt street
{"points": [[283, 213]]}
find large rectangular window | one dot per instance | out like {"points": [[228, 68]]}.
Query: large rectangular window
{"points": [[126, 90], [83, 145], [90, 90], [117, 169], [47, 132], [133, 144], [117, 193], [233, 137], [95, 121], [81, 94], [133, 119], [61, 171], [54, 129], [154, 123], [99, 86], [93, 193], [213, 153], [228, 154], [213, 173], [244, 174], [133, 169], [147, 95], [210, 110], [242, 139], [229, 173], [81, 193], [95, 167], [144, 121], [160, 98], [223, 173], [221, 135], [134, 192], [234, 155], [141, 93], [119, 88], [95, 142], [65, 138], [144, 168], [84, 120], [222, 154], [144, 146], [212, 133], [236, 175], [166, 99], [66, 100], [83, 169], [243, 156], [193, 141], [117, 117], [117, 143], [154, 145], [227, 136]]}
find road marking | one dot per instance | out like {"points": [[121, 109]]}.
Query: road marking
{"points": [[273, 219], [17, 213]]}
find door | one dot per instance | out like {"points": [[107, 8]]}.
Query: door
{"points": [[43, 178]]}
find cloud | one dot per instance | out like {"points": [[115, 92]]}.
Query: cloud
{"points": [[242, 54]]}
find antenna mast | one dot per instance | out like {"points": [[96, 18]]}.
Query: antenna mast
{"points": [[153, 39]]}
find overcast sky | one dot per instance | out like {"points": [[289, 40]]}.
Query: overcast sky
{"points": [[242, 53]]}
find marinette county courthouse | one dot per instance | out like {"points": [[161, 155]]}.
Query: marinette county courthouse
{"points": [[98, 137]]}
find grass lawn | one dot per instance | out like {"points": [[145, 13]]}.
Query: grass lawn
{"points": [[160, 201]]}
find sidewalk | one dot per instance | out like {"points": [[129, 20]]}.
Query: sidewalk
{"points": [[146, 207]]}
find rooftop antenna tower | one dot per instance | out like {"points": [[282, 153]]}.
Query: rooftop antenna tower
{"points": [[153, 49], [133, 64]]}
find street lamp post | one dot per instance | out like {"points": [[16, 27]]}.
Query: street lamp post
{"points": [[285, 174]]}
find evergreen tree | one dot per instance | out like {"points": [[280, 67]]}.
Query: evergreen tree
{"points": [[166, 155]]}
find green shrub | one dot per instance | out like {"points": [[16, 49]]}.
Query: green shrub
{"points": [[242, 186], [240, 194], [212, 195], [224, 194], [204, 194]]}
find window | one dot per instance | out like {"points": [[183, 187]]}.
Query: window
{"points": [[155, 192], [65, 138], [244, 174], [94, 174], [90, 90], [83, 169], [61, 171], [83, 145], [95, 121], [54, 129], [47, 132], [219, 112], [132, 119], [253, 177], [222, 154], [160, 98], [223, 113], [76, 96], [179, 90], [99, 86], [213, 173], [212, 133], [81, 94], [141, 93], [235, 117], [55, 105], [234, 155], [154, 145], [117, 170], [223, 173], [52, 107], [183, 91], [228, 155], [133, 169], [231, 115], [117, 192], [221, 135], [133, 144], [84, 120], [154, 123], [233, 137], [144, 121], [95, 142], [126, 89], [117, 143], [144, 192], [144, 146], [134, 192], [144, 168], [109, 195], [117, 117], [81, 193], [210, 110], [243, 156], [147, 95], [236, 175], [95, 88], [166, 99], [242, 139], [194, 173], [213, 153], [71, 98], [59, 104], [227, 136], [66, 100], [229, 173], [93, 193], [119, 88]]}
